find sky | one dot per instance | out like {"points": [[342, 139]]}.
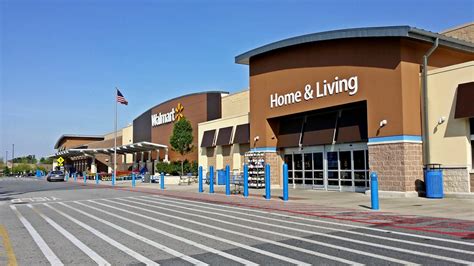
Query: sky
{"points": [[60, 61]]}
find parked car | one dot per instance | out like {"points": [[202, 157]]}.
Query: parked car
{"points": [[55, 176]]}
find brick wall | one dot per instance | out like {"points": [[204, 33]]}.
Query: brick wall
{"points": [[399, 166], [472, 182], [227, 155], [456, 180], [276, 163], [211, 156]]}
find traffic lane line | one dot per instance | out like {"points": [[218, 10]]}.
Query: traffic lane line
{"points": [[218, 211], [182, 239], [104, 237], [89, 252], [45, 249], [8, 246], [323, 242], [198, 232], [315, 219], [139, 237]]}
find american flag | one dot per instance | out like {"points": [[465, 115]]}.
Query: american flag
{"points": [[120, 98]]}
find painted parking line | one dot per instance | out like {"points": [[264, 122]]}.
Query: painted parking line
{"points": [[8, 246], [107, 239], [89, 252], [304, 224], [254, 210], [266, 253], [392, 248], [47, 252], [277, 233], [139, 237], [230, 242], [182, 239]]}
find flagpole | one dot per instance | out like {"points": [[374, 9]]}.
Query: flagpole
{"points": [[115, 139]]}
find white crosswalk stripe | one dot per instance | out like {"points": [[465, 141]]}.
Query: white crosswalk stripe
{"points": [[214, 209], [283, 235], [189, 242], [107, 239], [48, 253], [92, 254], [139, 237], [175, 230], [260, 251], [314, 219]]}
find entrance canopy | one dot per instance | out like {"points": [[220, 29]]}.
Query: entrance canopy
{"points": [[123, 149]]}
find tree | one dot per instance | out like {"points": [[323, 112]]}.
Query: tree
{"points": [[182, 139]]}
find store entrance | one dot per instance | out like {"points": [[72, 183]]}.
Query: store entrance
{"points": [[340, 167]]}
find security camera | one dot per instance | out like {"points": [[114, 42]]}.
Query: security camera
{"points": [[383, 123], [256, 138]]}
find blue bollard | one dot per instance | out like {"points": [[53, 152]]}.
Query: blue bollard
{"points": [[84, 174], [96, 178], [200, 189], [113, 179], [285, 182], [67, 177], [246, 180], [133, 180], [227, 180], [75, 177], [374, 191], [211, 179], [267, 182], [162, 181]]}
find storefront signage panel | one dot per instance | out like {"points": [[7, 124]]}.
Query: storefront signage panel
{"points": [[165, 118], [349, 85]]}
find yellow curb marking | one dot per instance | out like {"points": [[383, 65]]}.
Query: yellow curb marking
{"points": [[8, 246]]}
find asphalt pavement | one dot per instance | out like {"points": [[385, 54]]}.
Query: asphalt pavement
{"points": [[75, 224]]}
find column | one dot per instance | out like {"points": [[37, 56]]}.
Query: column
{"points": [[166, 155], [110, 168], [93, 165]]}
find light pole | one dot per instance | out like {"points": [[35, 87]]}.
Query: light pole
{"points": [[13, 156]]}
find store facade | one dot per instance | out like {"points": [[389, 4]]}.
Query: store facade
{"points": [[335, 105], [144, 142]]}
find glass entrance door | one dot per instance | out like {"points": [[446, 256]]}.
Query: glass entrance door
{"points": [[342, 167]]}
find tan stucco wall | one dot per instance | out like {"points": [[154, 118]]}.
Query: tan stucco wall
{"points": [[127, 138], [449, 141], [235, 104], [219, 161]]}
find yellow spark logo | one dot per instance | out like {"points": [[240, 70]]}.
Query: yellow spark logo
{"points": [[179, 112]]}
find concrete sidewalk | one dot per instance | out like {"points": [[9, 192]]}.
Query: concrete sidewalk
{"points": [[452, 208]]}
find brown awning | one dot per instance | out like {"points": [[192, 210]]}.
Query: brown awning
{"points": [[289, 133], [208, 138], [242, 134], [465, 101], [223, 138], [319, 129], [352, 125]]}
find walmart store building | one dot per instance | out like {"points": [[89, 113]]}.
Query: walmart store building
{"points": [[336, 105]]}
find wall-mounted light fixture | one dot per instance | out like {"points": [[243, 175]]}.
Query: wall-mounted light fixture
{"points": [[441, 120], [383, 123]]}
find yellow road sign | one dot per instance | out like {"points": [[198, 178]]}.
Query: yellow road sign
{"points": [[60, 161]]}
